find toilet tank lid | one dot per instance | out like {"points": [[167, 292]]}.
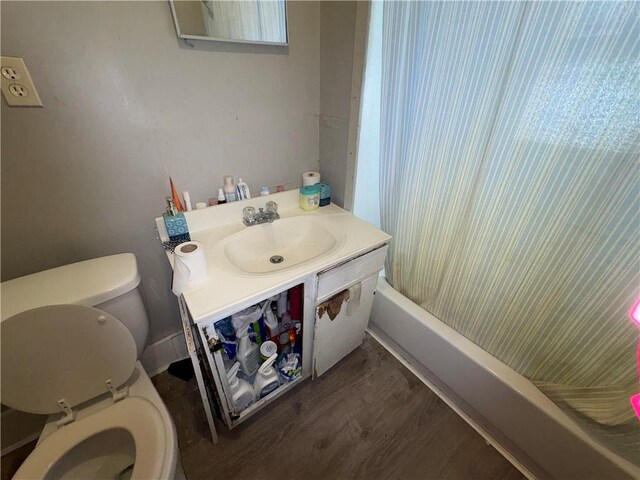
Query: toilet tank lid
{"points": [[87, 283]]}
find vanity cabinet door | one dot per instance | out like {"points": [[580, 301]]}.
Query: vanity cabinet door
{"points": [[341, 321], [211, 348]]}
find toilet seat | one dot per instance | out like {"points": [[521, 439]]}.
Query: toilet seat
{"points": [[136, 415]]}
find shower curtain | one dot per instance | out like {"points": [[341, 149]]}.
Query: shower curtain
{"points": [[509, 146], [255, 20]]}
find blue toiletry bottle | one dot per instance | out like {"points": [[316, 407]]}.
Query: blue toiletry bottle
{"points": [[176, 223]]}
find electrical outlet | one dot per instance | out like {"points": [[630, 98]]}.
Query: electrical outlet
{"points": [[17, 87], [10, 73]]}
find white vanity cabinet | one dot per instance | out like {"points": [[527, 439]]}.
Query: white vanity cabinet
{"points": [[336, 304], [332, 255]]}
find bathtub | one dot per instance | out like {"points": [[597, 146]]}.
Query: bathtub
{"points": [[503, 406]]}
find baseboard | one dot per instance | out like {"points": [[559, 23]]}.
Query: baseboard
{"points": [[159, 355], [445, 398]]}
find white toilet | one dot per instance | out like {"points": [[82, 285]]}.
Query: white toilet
{"points": [[71, 340]]}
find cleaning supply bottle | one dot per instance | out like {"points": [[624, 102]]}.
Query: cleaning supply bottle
{"points": [[229, 189], [267, 349], [242, 393], [248, 353], [282, 304], [266, 380], [271, 322], [221, 198]]}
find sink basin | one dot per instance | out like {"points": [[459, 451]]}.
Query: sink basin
{"points": [[283, 244]]}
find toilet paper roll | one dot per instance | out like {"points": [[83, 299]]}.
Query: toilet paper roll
{"points": [[189, 266], [310, 178]]}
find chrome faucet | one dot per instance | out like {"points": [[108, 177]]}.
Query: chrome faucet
{"points": [[264, 215]]}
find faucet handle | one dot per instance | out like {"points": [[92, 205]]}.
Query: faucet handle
{"points": [[248, 215], [272, 207]]}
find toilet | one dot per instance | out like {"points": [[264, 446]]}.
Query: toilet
{"points": [[72, 337]]}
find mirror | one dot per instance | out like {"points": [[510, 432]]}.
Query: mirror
{"points": [[247, 21]]}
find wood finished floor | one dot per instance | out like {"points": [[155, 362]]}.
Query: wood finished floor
{"points": [[367, 418]]}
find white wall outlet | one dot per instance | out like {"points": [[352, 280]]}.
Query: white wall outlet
{"points": [[17, 87]]}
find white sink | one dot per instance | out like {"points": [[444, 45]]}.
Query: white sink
{"points": [[277, 246]]}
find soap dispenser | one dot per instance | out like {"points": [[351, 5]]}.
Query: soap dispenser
{"points": [[175, 223], [242, 392], [267, 378]]}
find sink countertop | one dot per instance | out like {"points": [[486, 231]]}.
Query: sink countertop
{"points": [[227, 290]]}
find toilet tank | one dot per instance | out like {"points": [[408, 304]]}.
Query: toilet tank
{"points": [[108, 283]]}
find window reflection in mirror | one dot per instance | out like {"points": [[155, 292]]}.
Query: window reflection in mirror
{"points": [[247, 21]]}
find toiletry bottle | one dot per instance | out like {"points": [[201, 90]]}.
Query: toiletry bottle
{"points": [[310, 197], [229, 189], [187, 200], [243, 189], [266, 380], [221, 197], [175, 223], [264, 191], [242, 393]]}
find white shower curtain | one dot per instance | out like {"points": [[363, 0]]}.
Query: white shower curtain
{"points": [[510, 136]]}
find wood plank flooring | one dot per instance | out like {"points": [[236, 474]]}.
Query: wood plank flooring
{"points": [[367, 418]]}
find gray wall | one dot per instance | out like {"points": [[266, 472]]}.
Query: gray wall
{"points": [[126, 105], [337, 34]]}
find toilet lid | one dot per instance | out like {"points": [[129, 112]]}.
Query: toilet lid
{"points": [[62, 352]]}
